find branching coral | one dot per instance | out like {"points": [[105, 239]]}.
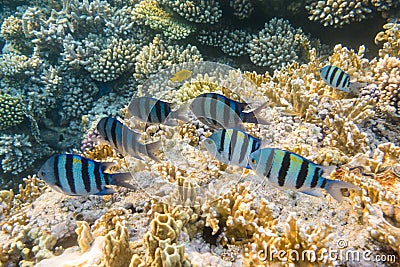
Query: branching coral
{"points": [[242, 8], [391, 39], [158, 55], [18, 153], [338, 12], [151, 14], [12, 111], [232, 42], [277, 44], [199, 11]]}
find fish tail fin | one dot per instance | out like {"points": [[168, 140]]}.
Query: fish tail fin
{"points": [[355, 87], [150, 148], [122, 179], [254, 115], [333, 188]]}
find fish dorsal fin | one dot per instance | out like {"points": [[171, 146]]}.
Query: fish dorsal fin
{"points": [[327, 170], [106, 166]]}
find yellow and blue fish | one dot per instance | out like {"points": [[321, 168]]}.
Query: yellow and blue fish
{"points": [[288, 170], [79, 176]]}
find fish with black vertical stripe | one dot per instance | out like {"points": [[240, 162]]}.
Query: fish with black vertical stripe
{"points": [[155, 111], [218, 111], [125, 140], [288, 170], [232, 146], [338, 79], [75, 175]]}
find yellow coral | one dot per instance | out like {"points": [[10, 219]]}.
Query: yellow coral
{"points": [[391, 39], [85, 237]]}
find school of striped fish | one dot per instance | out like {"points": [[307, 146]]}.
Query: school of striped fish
{"points": [[229, 143]]}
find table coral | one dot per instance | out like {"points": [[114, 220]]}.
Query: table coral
{"points": [[277, 44]]}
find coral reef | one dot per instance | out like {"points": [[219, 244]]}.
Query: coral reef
{"points": [[65, 64]]}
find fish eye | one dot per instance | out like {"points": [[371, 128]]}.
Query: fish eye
{"points": [[41, 173], [253, 161], [208, 141]]}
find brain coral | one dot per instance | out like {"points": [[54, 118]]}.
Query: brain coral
{"points": [[277, 44]]}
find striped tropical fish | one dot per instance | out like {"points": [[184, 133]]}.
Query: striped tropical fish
{"points": [[288, 170], [78, 176], [338, 79], [125, 140], [218, 111], [151, 110], [232, 146]]}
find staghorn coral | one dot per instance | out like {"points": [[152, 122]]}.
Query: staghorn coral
{"points": [[198, 11], [149, 12], [12, 111], [276, 45], [338, 12]]}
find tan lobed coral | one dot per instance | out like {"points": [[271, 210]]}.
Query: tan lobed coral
{"points": [[150, 13], [390, 38]]}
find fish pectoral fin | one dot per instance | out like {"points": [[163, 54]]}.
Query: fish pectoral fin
{"points": [[327, 170], [106, 166], [123, 179], [105, 191], [312, 192]]}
